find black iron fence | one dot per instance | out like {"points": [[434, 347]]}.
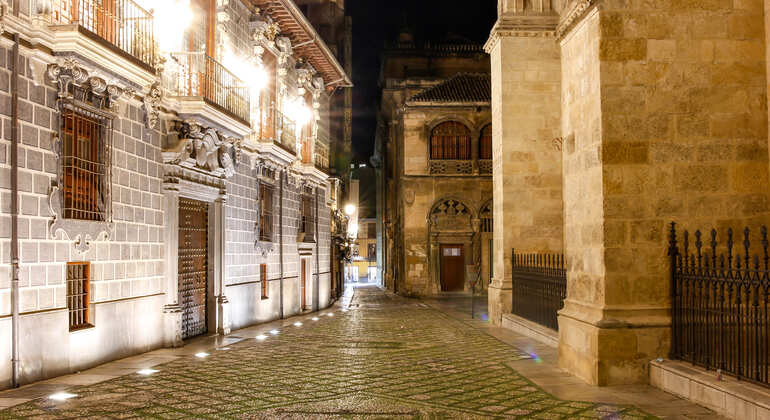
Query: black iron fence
{"points": [[539, 287], [121, 23], [719, 310]]}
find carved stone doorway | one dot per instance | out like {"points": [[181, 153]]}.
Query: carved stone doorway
{"points": [[452, 268], [193, 267]]}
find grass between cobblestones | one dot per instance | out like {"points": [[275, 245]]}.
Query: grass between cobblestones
{"points": [[387, 357]]}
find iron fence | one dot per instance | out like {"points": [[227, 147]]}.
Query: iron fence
{"points": [[539, 287], [719, 306], [203, 76], [121, 23]]}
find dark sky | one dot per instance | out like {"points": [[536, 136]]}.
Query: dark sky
{"points": [[375, 21]]}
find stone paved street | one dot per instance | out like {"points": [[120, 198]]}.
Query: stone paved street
{"points": [[384, 357]]}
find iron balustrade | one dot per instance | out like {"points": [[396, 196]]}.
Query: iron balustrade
{"points": [[121, 23], [286, 131], [203, 76], [539, 287], [719, 304]]}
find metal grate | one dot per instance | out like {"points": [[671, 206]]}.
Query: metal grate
{"points": [[121, 23], [720, 304], [306, 224], [193, 266], [78, 294], [85, 159], [539, 287], [450, 140], [487, 219], [263, 278], [265, 213]]}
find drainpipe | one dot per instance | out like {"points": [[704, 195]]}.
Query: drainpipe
{"points": [[15, 214], [280, 237], [316, 296]]}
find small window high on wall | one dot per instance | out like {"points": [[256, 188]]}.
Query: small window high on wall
{"points": [[450, 140], [78, 295]]}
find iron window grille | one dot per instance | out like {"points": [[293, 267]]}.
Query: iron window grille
{"points": [[78, 295], [265, 213], [307, 219], [450, 140], [85, 162]]}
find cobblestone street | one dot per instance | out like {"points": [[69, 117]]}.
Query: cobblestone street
{"points": [[383, 357]]}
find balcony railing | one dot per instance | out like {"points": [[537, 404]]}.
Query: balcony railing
{"points": [[321, 156], [202, 76], [286, 132], [120, 23], [307, 151], [451, 167]]}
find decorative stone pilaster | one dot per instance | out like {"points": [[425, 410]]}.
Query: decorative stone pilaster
{"points": [[172, 312]]}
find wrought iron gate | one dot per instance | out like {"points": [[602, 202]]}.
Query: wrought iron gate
{"points": [[193, 266]]}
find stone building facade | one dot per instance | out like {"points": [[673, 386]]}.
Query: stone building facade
{"points": [[611, 120], [436, 167], [164, 182]]}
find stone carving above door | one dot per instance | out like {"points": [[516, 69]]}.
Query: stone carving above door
{"points": [[203, 149], [451, 215]]}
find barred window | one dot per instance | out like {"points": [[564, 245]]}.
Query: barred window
{"points": [[265, 213], [485, 142], [84, 165], [267, 99], [306, 223], [78, 294], [263, 278], [486, 217], [450, 140]]}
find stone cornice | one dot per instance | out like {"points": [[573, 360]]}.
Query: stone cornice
{"points": [[522, 26], [573, 15]]}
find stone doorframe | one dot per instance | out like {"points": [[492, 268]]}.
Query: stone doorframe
{"points": [[451, 221], [449, 238]]}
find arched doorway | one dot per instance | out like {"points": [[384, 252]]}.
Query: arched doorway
{"points": [[451, 236]]}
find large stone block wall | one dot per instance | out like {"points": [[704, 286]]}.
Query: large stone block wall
{"points": [[126, 270], [527, 181], [679, 133]]}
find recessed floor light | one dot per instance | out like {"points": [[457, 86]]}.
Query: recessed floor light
{"points": [[297, 324], [223, 348], [61, 396], [315, 318], [201, 354], [147, 372], [274, 332], [330, 314], [261, 337]]}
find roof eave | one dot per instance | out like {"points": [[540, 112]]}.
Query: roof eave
{"points": [[445, 104]]}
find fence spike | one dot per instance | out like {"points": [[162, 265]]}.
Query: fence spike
{"points": [[698, 246], [714, 247], [729, 247], [746, 245], [722, 261]]}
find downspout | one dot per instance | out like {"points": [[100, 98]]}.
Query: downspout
{"points": [[15, 214], [316, 295], [280, 238]]}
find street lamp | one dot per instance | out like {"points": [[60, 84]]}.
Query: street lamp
{"points": [[350, 209]]}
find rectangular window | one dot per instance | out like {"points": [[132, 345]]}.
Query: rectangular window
{"points": [[372, 231], [267, 99], [265, 213], [84, 167], [371, 252], [306, 223], [263, 279], [78, 294]]}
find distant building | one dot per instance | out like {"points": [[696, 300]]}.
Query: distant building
{"points": [[434, 160]]}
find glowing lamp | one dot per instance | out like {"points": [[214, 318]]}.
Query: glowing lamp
{"points": [[350, 209]]}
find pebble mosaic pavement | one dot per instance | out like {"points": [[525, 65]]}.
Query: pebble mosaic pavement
{"points": [[385, 357]]}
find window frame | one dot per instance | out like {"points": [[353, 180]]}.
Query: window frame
{"points": [[85, 299], [307, 217], [450, 140], [484, 138], [266, 192], [263, 280]]}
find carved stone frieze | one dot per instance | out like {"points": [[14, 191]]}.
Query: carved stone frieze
{"points": [[68, 71], [203, 150], [263, 29]]}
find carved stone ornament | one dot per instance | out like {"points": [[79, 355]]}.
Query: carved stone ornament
{"points": [[69, 71], [151, 101], [451, 215], [204, 150], [263, 29], [284, 45]]}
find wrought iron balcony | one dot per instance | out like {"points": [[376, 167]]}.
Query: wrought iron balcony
{"points": [[286, 132], [202, 76], [321, 156], [120, 24]]}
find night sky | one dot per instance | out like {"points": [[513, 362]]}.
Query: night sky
{"points": [[375, 21]]}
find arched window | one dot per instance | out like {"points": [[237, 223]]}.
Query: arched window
{"points": [[486, 218], [485, 142], [450, 140]]}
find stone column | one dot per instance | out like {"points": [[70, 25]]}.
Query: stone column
{"points": [[220, 240], [172, 312], [663, 121], [525, 120]]}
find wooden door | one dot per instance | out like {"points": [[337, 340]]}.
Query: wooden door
{"points": [[303, 284], [452, 268], [193, 266]]}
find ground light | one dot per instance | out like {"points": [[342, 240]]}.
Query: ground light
{"points": [[297, 324], [223, 348], [330, 314], [315, 318], [147, 372], [261, 337], [274, 332], [62, 396], [201, 354]]}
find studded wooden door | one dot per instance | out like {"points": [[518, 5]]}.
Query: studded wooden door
{"points": [[193, 266], [303, 284]]}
